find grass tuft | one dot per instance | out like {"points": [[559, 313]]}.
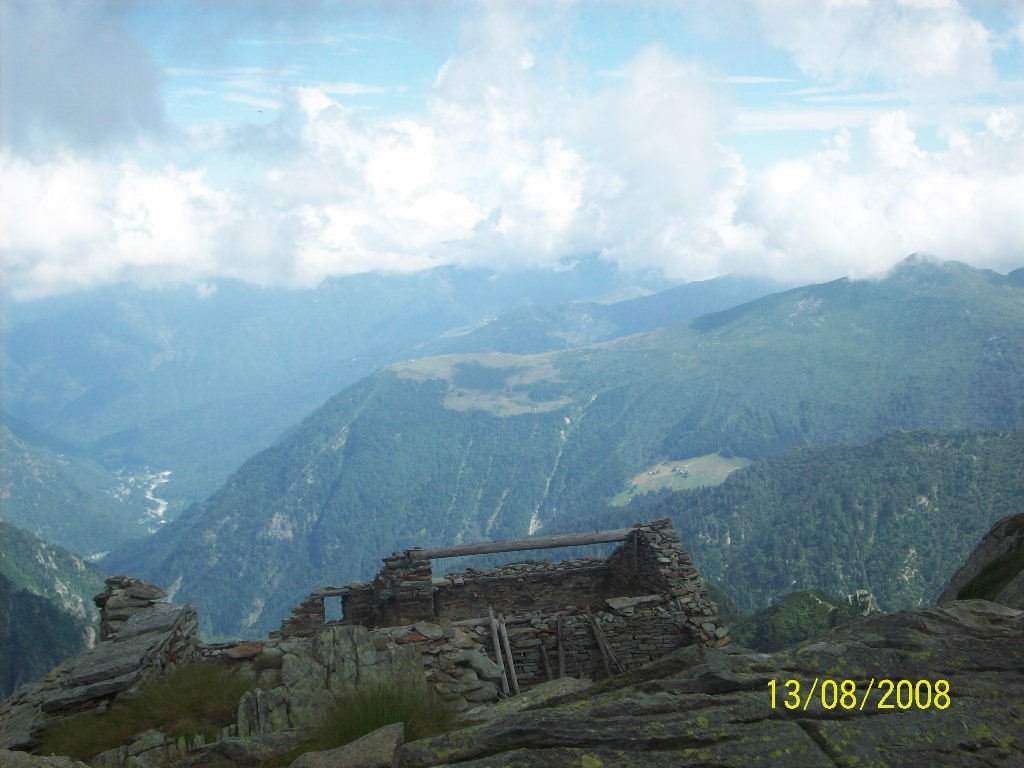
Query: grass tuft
{"points": [[191, 701], [365, 710], [359, 712]]}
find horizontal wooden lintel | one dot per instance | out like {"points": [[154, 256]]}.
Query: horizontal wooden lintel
{"points": [[517, 545]]}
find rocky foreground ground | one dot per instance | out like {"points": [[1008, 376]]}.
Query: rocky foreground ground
{"points": [[707, 707], [713, 707], [956, 698]]}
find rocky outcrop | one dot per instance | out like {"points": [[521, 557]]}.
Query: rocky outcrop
{"points": [[123, 598], [527, 699], [311, 671], [712, 706], [143, 647], [995, 570], [149, 750]]}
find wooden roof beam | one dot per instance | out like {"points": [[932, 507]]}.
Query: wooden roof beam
{"points": [[517, 545]]}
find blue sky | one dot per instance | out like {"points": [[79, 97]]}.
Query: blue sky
{"points": [[284, 142]]}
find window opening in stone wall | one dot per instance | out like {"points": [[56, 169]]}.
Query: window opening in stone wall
{"points": [[332, 608]]}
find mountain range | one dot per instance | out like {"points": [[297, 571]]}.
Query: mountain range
{"points": [[193, 381], [491, 445]]}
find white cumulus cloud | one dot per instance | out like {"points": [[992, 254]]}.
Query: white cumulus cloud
{"points": [[933, 47], [70, 222], [828, 214], [514, 159]]}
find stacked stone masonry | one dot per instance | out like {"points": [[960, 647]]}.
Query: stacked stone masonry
{"points": [[646, 597], [124, 597], [583, 618]]}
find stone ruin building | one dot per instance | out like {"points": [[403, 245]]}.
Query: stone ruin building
{"points": [[536, 621], [477, 635]]}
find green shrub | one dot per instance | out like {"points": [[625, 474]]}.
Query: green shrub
{"points": [[194, 700]]}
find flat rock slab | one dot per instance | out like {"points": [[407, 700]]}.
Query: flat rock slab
{"points": [[100, 672], [429, 630], [247, 649], [235, 752], [144, 591], [158, 618], [535, 696], [374, 750], [703, 706], [622, 603]]}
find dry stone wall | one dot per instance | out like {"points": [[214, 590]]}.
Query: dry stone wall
{"points": [[525, 587], [585, 618], [124, 597]]}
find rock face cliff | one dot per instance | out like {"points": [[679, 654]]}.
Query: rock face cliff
{"points": [[995, 570]]}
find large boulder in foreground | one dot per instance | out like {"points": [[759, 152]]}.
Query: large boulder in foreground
{"points": [[995, 569], [703, 706]]}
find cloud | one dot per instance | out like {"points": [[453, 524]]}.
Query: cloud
{"points": [[893, 142], [933, 47], [655, 165], [777, 119], [507, 166], [753, 80], [827, 213], [72, 72], [517, 159], [76, 222]]}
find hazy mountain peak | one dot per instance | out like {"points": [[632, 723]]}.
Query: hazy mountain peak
{"points": [[925, 267]]}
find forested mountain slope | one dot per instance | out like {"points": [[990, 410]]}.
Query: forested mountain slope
{"points": [[55, 493], [46, 608], [488, 446], [896, 516]]}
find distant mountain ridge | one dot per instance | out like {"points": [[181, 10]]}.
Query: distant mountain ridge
{"points": [[196, 381], [548, 328], [465, 447]]}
